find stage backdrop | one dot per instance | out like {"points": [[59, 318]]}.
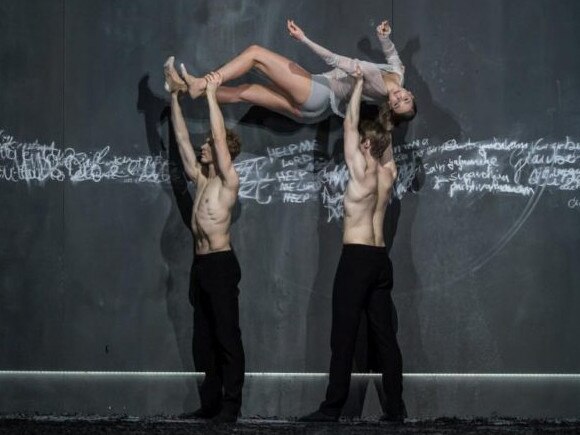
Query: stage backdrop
{"points": [[483, 228]]}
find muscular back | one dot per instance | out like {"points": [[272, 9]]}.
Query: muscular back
{"points": [[386, 176], [365, 203], [212, 213]]}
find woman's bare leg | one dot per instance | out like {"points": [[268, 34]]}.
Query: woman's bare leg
{"points": [[288, 76], [259, 95]]}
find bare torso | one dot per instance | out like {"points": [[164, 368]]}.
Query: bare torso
{"points": [[211, 217], [365, 203]]}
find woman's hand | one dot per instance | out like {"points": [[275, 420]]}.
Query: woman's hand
{"points": [[384, 29], [295, 31]]}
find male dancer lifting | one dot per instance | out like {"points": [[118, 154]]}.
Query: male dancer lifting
{"points": [[364, 277], [217, 343]]}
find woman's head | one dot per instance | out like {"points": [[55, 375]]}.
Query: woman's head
{"points": [[399, 107]]}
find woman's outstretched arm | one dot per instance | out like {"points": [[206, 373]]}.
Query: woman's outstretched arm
{"points": [[389, 50], [346, 64]]}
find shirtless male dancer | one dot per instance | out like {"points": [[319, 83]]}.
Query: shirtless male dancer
{"points": [[217, 343], [364, 277]]}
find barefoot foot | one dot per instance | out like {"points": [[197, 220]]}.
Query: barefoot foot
{"points": [[173, 83], [195, 85]]}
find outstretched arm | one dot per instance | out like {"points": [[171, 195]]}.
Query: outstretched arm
{"points": [[334, 60], [389, 50], [225, 165], [190, 163], [354, 158]]}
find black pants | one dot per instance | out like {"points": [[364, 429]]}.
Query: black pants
{"points": [[363, 282], [217, 341]]}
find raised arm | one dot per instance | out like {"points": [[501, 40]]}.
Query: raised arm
{"points": [[352, 154], [334, 60], [190, 163], [389, 50], [227, 172]]}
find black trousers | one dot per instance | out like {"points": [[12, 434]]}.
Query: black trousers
{"points": [[217, 341], [363, 282]]}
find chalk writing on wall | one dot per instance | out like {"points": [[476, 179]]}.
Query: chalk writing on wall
{"points": [[298, 173], [29, 162]]}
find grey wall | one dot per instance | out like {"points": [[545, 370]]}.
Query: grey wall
{"points": [[95, 270]]}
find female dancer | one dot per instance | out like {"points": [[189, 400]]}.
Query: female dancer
{"points": [[306, 97]]}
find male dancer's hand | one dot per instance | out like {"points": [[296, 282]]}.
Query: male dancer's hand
{"points": [[295, 31], [384, 29], [215, 77], [358, 74], [213, 80]]}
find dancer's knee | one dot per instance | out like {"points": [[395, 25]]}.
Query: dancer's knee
{"points": [[255, 50], [259, 56], [244, 93]]}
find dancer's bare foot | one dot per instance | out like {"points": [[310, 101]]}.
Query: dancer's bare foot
{"points": [[173, 83], [195, 85]]}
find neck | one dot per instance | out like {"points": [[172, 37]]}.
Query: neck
{"points": [[370, 159], [210, 170], [392, 86]]}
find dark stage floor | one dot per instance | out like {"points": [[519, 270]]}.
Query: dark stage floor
{"points": [[22, 424]]}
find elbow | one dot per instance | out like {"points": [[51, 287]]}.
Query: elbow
{"points": [[333, 61]]}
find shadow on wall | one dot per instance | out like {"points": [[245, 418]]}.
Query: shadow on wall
{"points": [[430, 116], [319, 314], [437, 124], [315, 301], [433, 119], [176, 244]]}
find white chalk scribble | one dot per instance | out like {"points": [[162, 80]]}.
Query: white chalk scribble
{"points": [[300, 173]]}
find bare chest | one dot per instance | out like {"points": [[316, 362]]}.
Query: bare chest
{"points": [[207, 199]]}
